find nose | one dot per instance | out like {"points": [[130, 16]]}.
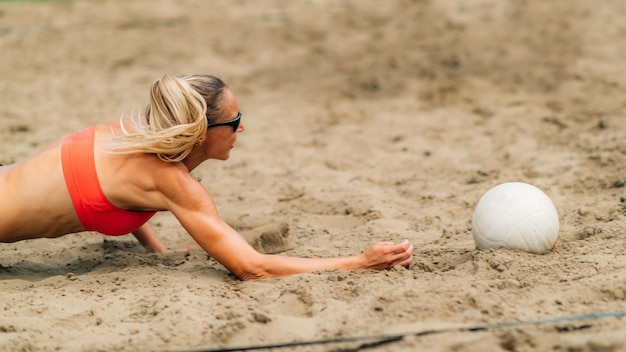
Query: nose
{"points": [[241, 127]]}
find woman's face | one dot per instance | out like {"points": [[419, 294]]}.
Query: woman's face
{"points": [[221, 139]]}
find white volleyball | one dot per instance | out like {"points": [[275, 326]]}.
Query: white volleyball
{"points": [[515, 215]]}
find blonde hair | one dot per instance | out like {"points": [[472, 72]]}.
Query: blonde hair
{"points": [[177, 114]]}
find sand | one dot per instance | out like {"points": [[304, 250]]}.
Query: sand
{"points": [[365, 121]]}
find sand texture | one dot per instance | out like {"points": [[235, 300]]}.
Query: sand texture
{"points": [[365, 120]]}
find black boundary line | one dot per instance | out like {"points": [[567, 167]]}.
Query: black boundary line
{"points": [[387, 338]]}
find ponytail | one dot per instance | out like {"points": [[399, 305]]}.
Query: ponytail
{"points": [[177, 114]]}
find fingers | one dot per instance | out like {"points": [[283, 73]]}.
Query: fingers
{"points": [[405, 263], [403, 254], [395, 248], [403, 246], [386, 255], [406, 257]]}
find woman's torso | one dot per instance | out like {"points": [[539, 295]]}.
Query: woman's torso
{"points": [[35, 201]]}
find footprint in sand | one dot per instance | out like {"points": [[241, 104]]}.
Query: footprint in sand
{"points": [[269, 239]]}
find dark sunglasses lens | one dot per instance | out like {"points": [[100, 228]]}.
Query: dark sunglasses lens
{"points": [[235, 124]]}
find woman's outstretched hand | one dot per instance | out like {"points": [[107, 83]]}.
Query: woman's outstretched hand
{"points": [[386, 255]]}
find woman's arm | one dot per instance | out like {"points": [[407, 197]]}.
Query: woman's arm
{"points": [[149, 239], [379, 256], [224, 244], [194, 207]]}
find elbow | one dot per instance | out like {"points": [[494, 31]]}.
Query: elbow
{"points": [[253, 270], [248, 276]]}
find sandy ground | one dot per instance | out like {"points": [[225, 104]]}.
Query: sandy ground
{"points": [[365, 120]]}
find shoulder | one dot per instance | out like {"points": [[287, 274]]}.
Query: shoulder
{"points": [[179, 188], [114, 128]]}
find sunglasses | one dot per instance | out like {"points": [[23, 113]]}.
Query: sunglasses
{"points": [[234, 123]]}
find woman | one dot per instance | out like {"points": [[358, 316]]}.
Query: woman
{"points": [[113, 177]]}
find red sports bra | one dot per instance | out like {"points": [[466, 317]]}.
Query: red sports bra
{"points": [[93, 209]]}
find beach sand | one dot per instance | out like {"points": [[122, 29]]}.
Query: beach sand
{"points": [[365, 121]]}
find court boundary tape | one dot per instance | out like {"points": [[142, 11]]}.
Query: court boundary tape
{"points": [[387, 338]]}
